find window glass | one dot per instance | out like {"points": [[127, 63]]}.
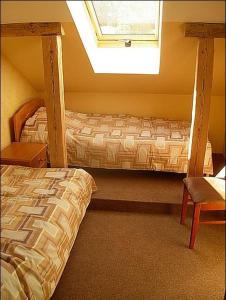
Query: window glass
{"points": [[130, 21], [127, 17]]}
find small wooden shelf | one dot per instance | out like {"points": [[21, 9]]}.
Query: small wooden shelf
{"points": [[25, 154]]}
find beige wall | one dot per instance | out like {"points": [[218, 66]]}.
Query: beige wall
{"points": [[177, 66], [176, 107], [166, 95], [15, 90]]}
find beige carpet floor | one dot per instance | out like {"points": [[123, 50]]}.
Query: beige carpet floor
{"points": [[142, 186], [131, 256]]}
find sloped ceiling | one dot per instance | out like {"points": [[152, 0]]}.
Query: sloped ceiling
{"points": [[173, 11], [177, 55]]}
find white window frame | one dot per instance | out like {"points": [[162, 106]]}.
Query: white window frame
{"points": [[122, 40], [117, 60]]}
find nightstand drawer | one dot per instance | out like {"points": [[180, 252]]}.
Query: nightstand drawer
{"points": [[25, 154], [15, 162], [40, 161]]}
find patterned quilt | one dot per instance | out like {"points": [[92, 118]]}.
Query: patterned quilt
{"points": [[41, 210], [120, 141]]}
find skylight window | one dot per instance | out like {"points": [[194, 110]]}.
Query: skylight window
{"points": [[124, 23], [120, 37]]}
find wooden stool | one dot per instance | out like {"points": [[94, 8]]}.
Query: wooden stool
{"points": [[206, 193]]}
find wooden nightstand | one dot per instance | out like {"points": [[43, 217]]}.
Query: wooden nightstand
{"points": [[25, 154]]}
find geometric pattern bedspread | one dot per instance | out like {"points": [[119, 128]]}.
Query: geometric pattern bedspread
{"points": [[120, 141], [41, 210]]}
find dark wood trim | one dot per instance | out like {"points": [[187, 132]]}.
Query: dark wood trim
{"points": [[31, 29], [205, 30]]}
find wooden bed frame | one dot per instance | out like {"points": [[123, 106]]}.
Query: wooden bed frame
{"points": [[23, 114]]}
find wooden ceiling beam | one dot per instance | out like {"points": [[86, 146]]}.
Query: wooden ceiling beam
{"points": [[205, 30], [31, 29]]}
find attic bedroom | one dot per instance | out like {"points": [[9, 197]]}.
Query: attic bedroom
{"points": [[113, 150]]}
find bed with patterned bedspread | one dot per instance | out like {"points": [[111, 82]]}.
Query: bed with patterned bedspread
{"points": [[41, 210], [120, 141]]}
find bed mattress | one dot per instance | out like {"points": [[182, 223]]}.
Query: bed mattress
{"points": [[41, 210], [120, 141]]}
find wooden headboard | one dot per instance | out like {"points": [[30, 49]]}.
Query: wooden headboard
{"points": [[25, 112]]}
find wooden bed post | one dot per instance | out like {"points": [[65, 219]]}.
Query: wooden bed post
{"points": [[54, 99], [206, 32], [53, 73]]}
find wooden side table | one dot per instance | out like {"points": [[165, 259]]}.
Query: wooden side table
{"points": [[25, 154]]}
